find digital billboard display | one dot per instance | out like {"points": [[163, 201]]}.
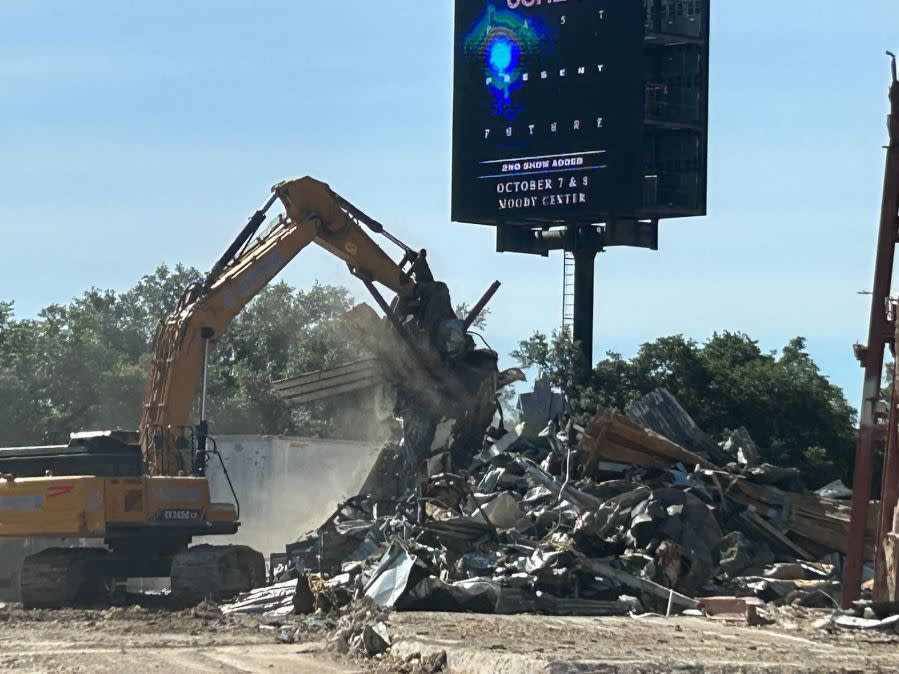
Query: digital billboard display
{"points": [[548, 110]]}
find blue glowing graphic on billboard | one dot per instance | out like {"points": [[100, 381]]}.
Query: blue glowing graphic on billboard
{"points": [[505, 42]]}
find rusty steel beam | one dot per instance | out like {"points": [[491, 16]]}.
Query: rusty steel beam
{"points": [[879, 334], [481, 305], [889, 495]]}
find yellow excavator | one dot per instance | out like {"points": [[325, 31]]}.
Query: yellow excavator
{"points": [[145, 494]]}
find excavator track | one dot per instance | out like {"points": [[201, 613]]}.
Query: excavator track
{"points": [[63, 577], [216, 571], [70, 577]]}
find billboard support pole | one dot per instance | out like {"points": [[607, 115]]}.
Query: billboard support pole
{"points": [[584, 294]]}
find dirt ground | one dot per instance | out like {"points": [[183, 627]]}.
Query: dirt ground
{"points": [[138, 639], [644, 644]]}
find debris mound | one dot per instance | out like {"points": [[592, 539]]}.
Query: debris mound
{"points": [[632, 513]]}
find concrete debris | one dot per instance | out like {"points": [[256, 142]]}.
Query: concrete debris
{"points": [[362, 630], [742, 448], [791, 571], [630, 514], [836, 490], [800, 571], [375, 638], [286, 635], [501, 511], [855, 623], [205, 610], [538, 408], [749, 610], [736, 553]]}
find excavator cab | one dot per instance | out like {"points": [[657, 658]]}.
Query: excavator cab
{"points": [[104, 454]]}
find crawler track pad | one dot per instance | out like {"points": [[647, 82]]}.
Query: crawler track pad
{"points": [[216, 571], [61, 577]]}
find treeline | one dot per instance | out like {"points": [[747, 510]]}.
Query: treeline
{"points": [[793, 412], [83, 365]]}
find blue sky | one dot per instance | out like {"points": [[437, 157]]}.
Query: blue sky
{"points": [[138, 133]]}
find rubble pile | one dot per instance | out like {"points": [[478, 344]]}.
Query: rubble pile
{"points": [[633, 513]]}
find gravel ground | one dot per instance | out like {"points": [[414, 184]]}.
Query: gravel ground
{"points": [[140, 639], [137, 639], [500, 644]]}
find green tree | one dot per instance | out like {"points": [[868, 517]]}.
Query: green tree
{"points": [[794, 413], [284, 332], [557, 358], [83, 365], [19, 395]]}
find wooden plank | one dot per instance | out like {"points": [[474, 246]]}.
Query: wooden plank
{"points": [[332, 392], [655, 443], [330, 383], [775, 537], [613, 451], [660, 411], [889, 593], [615, 437], [823, 521], [359, 367], [593, 444]]}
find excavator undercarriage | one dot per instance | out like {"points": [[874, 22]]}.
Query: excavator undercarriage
{"points": [[62, 577]]}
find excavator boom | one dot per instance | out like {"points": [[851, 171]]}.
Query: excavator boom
{"points": [[313, 213]]}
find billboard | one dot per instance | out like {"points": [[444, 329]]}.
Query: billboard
{"points": [[548, 111]]}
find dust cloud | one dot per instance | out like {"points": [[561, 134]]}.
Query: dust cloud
{"points": [[288, 486]]}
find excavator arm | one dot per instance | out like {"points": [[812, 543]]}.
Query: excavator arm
{"points": [[313, 213]]}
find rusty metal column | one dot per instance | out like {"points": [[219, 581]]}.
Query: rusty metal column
{"points": [[880, 333], [888, 496], [584, 279]]}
